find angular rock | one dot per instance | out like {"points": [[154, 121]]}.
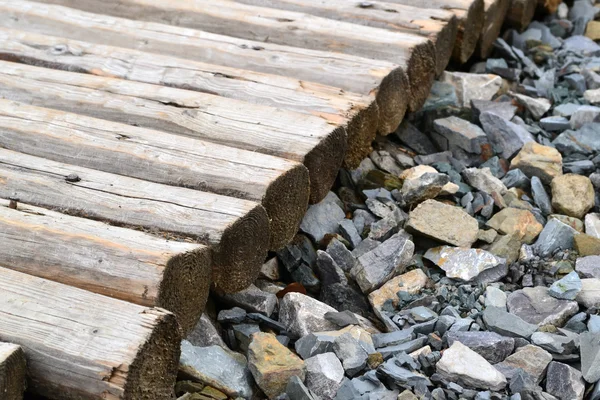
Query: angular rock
{"points": [[564, 382], [439, 221], [592, 95], [351, 353], [537, 107], [507, 247], [424, 188], [296, 390], [341, 255], [504, 109], [566, 288], [532, 359], [467, 368], [483, 180], [540, 196], [217, 367], [313, 344], [272, 364], [324, 375], [495, 297], [537, 160], [381, 340], [592, 225], [517, 179], [383, 262], [583, 141], [556, 344], [350, 233], [407, 347], [590, 356], [586, 245], [409, 135], [458, 136], [584, 115], [574, 223], [507, 324], [555, 235], [589, 296], [270, 269], [243, 335], [205, 334], [588, 267], [234, 315], [397, 376], [517, 222], [572, 195], [472, 86], [491, 346], [301, 314], [461, 263], [252, 299], [322, 218], [503, 134], [427, 186], [536, 306], [384, 161], [555, 123]]}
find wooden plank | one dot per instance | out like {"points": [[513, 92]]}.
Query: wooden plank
{"points": [[280, 185], [358, 113], [13, 370], [520, 13], [316, 142], [470, 14], [414, 53], [117, 262], [386, 80], [82, 345], [495, 14], [237, 230]]}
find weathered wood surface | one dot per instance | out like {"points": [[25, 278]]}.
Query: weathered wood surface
{"points": [[312, 140], [237, 230], [386, 80], [470, 14], [520, 13], [280, 185], [82, 345], [13, 370], [413, 53], [495, 14], [113, 261]]}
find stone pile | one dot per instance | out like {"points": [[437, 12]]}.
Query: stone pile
{"points": [[461, 260]]}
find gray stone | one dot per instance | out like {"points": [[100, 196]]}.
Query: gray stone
{"points": [[555, 235], [349, 232], [595, 394], [392, 338], [483, 179], [540, 196], [363, 248], [441, 95], [322, 218], [351, 353], [594, 324], [491, 346], [536, 306], [243, 334], [341, 255], [313, 344], [503, 109], [365, 387], [461, 263], [383, 262], [504, 134], [592, 224], [472, 86], [564, 382], [553, 343], [516, 178], [407, 347], [205, 334], [590, 356], [324, 375], [580, 45], [426, 186], [234, 315], [462, 325], [588, 267], [589, 296], [576, 82], [458, 135], [585, 115], [306, 277], [555, 123], [496, 167], [495, 297], [537, 107], [565, 110], [295, 390], [342, 319], [467, 368], [301, 314], [398, 377], [384, 161], [214, 366], [566, 288], [582, 167], [507, 324], [422, 314], [581, 141], [532, 359], [410, 136]]}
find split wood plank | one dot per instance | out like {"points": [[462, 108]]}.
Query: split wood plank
{"points": [[117, 262], [388, 81], [495, 14], [82, 345], [236, 230], [520, 13], [358, 113], [280, 185], [470, 14], [311, 140], [413, 53], [13, 371]]}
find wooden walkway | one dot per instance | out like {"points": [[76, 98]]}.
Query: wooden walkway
{"points": [[152, 149]]}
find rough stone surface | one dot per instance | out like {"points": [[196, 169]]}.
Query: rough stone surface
{"points": [[588, 267], [532, 359], [536, 306], [217, 367], [572, 195], [566, 288], [583, 141], [439, 221], [458, 135], [504, 134], [324, 375], [205, 334], [467, 368], [586, 245], [517, 222], [507, 324], [252, 299], [590, 356], [491, 346], [536, 106], [589, 296], [540, 196], [296, 390], [301, 314], [461, 263], [538, 160], [564, 381], [482, 179], [472, 86], [555, 235], [592, 224], [352, 355], [495, 297], [584, 115], [322, 218]]}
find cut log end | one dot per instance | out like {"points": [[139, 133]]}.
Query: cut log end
{"points": [[421, 73], [362, 130], [445, 44], [494, 18], [152, 374], [323, 163], [185, 286], [469, 30], [243, 248], [286, 201], [12, 371], [392, 99], [520, 13]]}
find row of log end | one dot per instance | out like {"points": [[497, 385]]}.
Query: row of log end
{"points": [[145, 158]]}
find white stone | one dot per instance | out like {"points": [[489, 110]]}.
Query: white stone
{"points": [[495, 297], [324, 375], [592, 225], [584, 115], [483, 179], [589, 296], [537, 107], [301, 314], [472, 86], [592, 95]]}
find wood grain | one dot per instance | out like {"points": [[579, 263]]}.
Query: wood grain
{"points": [[495, 14], [520, 13], [113, 261], [280, 185], [13, 370], [236, 230], [81, 345], [315, 141]]}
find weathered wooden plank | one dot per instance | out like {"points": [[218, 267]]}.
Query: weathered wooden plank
{"points": [[237, 230], [386, 80], [82, 345], [495, 13], [317, 143], [414, 53], [470, 14], [280, 185], [117, 262], [13, 370], [520, 13]]}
